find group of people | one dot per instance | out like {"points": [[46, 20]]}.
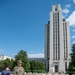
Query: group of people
{"points": [[18, 70]]}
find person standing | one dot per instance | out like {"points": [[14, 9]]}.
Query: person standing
{"points": [[18, 70], [6, 71]]}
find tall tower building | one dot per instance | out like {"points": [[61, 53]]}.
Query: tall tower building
{"points": [[57, 41], [47, 45]]}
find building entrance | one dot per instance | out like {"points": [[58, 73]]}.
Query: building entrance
{"points": [[56, 68]]}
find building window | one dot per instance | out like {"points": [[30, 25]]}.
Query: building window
{"points": [[66, 66]]}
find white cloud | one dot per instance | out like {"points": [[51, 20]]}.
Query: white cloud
{"points": [[71, 19], [31, 51], [66, 11], [64, 15], [74, 1], [68, 6], [39, 55], [73, 30], [1, 50], [73, 37], [73, 42], [71, 0], [14, 54]]}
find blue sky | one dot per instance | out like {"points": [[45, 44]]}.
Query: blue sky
{"points": [[22, 24]]}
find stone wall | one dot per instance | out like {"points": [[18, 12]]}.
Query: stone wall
{"points": [[43, 74]]}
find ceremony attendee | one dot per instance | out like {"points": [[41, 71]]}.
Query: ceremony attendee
{"points": [[18, 70], [6, 71]]}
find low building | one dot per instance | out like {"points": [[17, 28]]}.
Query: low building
{"points": [[38, 60], [3, 57]]}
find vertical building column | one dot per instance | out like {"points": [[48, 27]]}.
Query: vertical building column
{"points": [[68, 43], [51, 41]]}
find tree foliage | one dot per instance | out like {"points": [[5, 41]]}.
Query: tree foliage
{"points": [[71, 68], [9, 63], [1, 65], [37, 67], [5, 62]]}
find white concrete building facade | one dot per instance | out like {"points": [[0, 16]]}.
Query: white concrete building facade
{"points": [[57, 41], [3, 57]]}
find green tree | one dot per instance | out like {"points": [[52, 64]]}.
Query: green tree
{"points": [[37, 67], [22, 55], [71, 69], [12, 64], [9, 63], [1, 65]]}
